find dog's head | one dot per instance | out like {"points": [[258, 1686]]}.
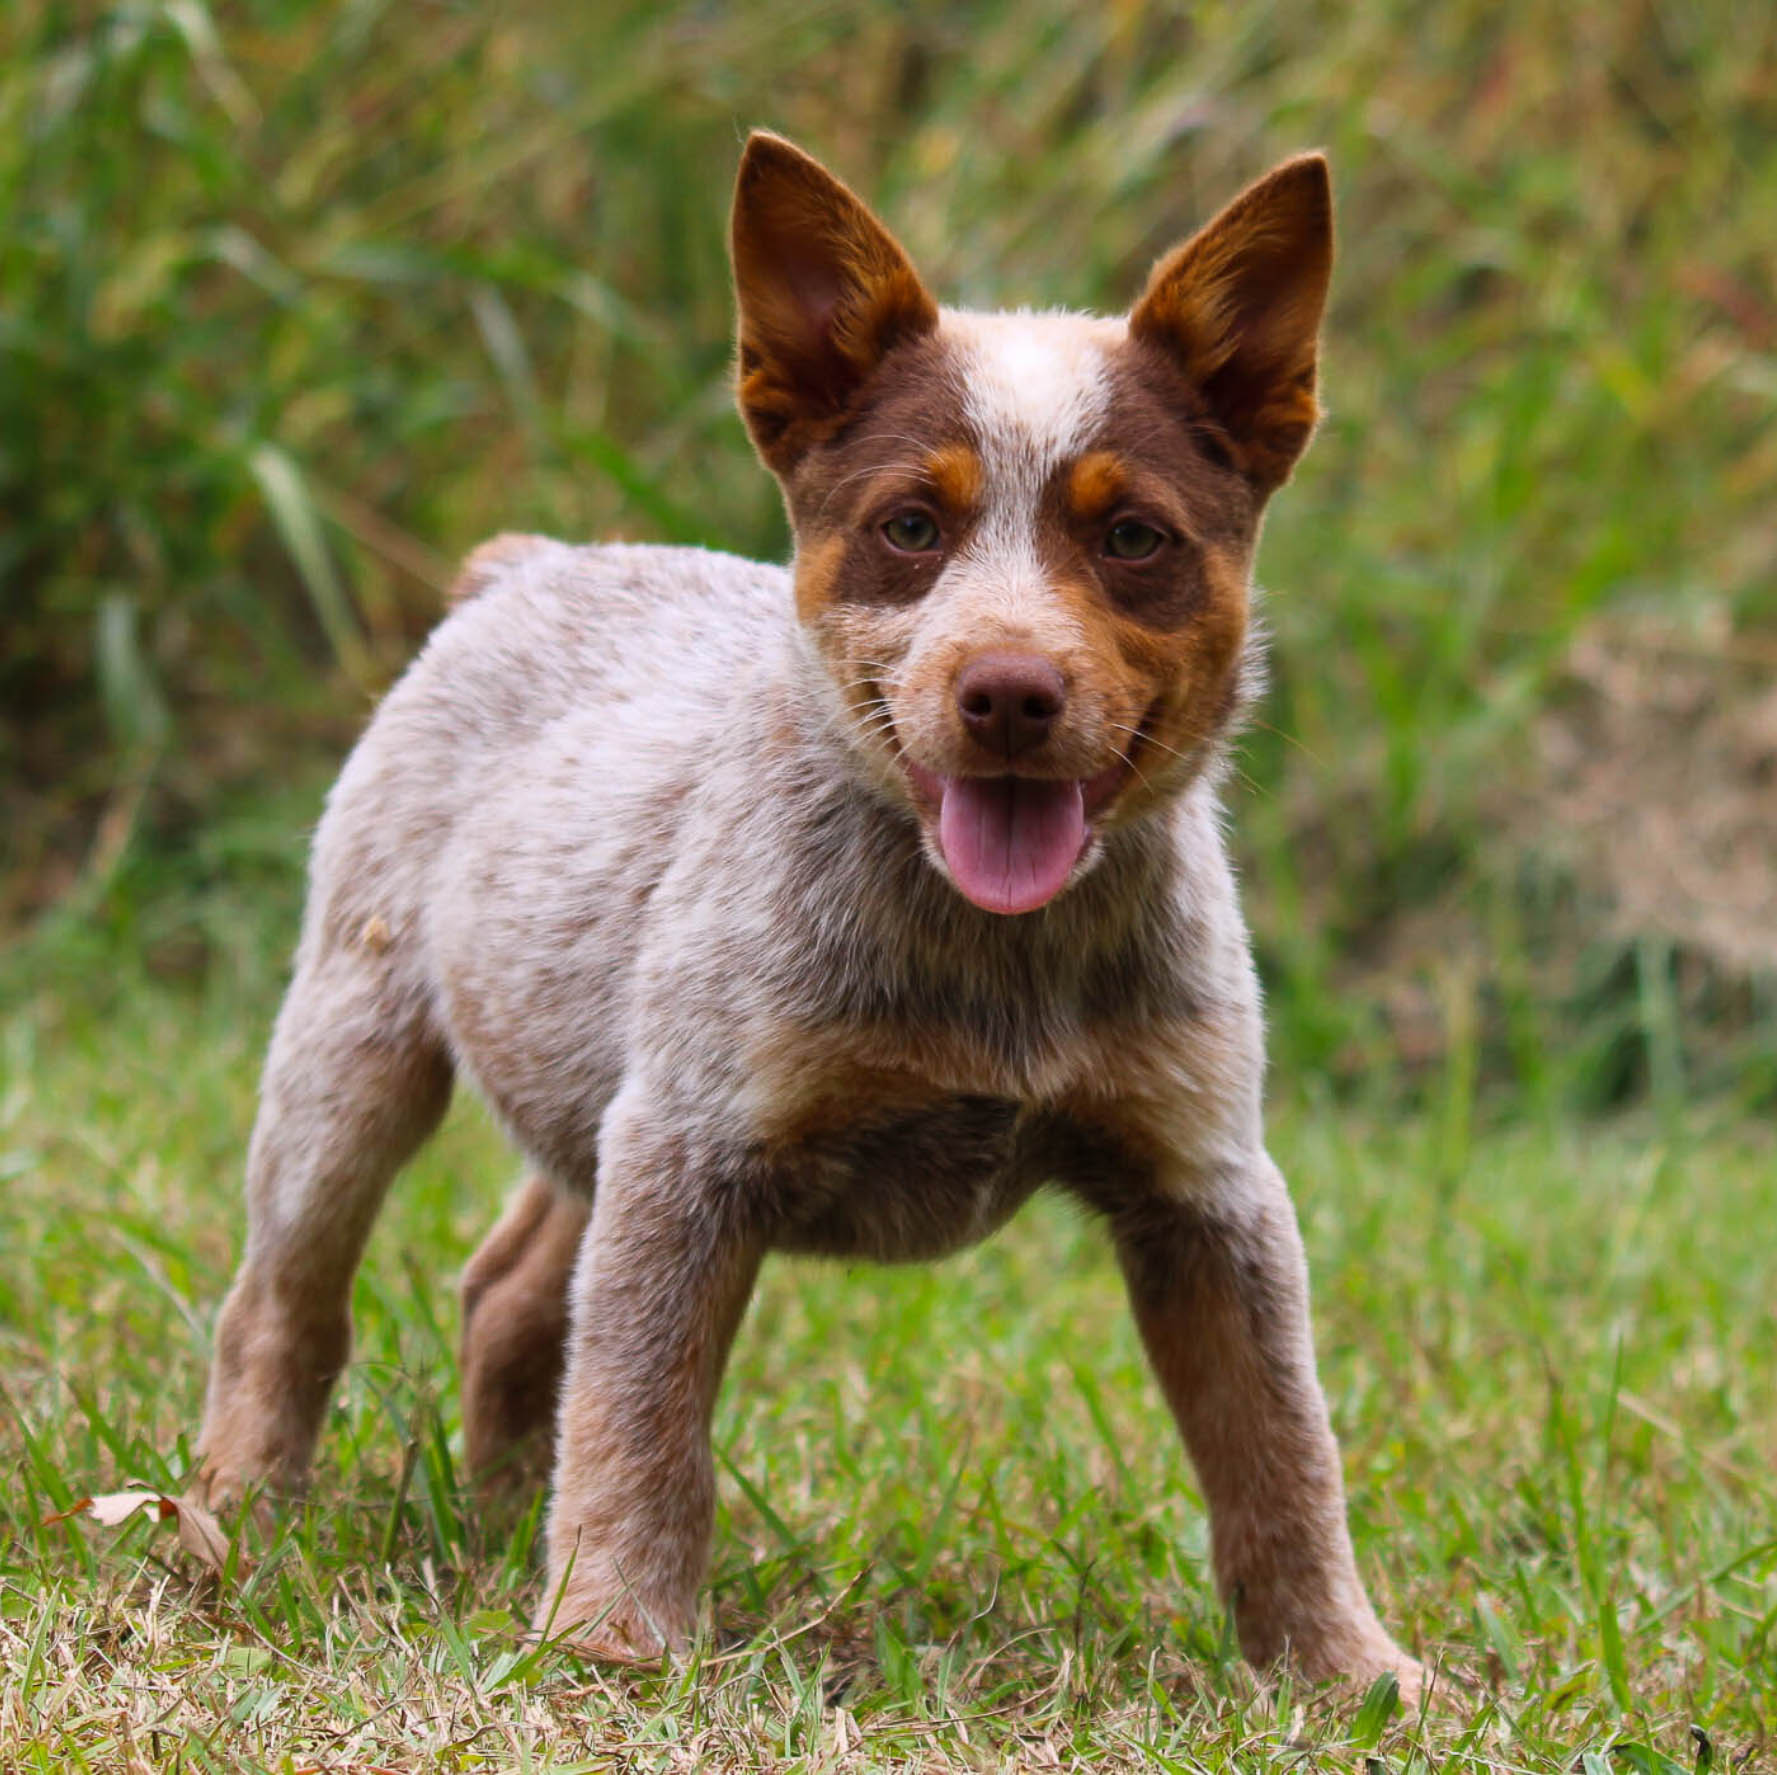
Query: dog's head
{"points": [[1024, 541]]}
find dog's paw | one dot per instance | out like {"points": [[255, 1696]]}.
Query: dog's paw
{"points": [[223, 1489], [1387, 1659], [1355, 1660], [1414, 1679], [615, 1629]]}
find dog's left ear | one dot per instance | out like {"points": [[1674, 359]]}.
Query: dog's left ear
{"points": [[824, 293], [1238, 308]]}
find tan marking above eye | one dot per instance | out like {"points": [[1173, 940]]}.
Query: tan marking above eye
{"points": [[1095, 483], [955, 474]]}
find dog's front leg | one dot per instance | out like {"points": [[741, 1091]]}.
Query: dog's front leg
{"points": [[1219, 1286], [664, 1274]]}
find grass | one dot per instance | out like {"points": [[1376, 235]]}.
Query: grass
{"points": [[956, 1529]]}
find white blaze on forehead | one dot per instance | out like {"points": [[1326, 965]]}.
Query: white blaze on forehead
{"points": [[1036, 390]]}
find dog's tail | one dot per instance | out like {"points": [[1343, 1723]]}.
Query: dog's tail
{"points": [[491, 561]]}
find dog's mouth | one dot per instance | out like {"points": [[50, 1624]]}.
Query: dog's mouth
{"points": [[1010, 842]]}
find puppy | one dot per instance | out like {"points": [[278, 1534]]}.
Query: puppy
{"points": [[833, 910]]}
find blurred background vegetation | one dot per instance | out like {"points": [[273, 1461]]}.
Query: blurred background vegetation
{"points": [[300, 300]]}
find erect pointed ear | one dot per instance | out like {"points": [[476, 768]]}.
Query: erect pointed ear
{"points": [[1238, 308], [824, 293]]}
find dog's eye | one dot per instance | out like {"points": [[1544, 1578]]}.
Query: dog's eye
{"points": [[912, 533], [1132, 540]]}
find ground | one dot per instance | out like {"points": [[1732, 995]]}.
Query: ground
{"points": [[956, 1530]]}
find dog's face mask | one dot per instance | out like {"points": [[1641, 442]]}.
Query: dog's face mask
{"points": [[1024, 541]]}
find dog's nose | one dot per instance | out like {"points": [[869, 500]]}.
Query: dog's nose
{"points": [[1010, 701]]}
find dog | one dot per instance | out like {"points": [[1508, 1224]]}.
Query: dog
{"points": [[833, 909]]}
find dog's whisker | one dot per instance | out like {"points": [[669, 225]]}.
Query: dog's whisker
{"points": [[1141, 775], [895, 437], [909, 469], [1144, 735]]}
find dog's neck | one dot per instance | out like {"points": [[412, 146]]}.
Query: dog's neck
{"points": [[857, 881]]}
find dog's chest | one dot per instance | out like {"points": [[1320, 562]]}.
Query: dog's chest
{"points": [[906, 1186]]}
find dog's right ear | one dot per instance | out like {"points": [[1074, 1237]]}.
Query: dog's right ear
{"points": [[824, 294]]}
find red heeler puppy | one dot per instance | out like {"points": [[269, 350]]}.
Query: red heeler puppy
{"points": [[833, 909]]}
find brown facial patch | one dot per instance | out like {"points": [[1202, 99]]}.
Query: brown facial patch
{"points": [[905, 448], [1164, 636], [818, 565]]}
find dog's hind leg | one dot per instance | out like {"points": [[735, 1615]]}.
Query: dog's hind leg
{"points": [[356, 1078], [515, 1326]]}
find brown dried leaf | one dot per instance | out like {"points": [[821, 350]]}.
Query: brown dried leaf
{"points": [[199, 1532], [113, 1509]]}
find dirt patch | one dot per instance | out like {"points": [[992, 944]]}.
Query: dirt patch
{"points": [[1657, 761]]}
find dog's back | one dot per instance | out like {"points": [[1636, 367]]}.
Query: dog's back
{"points": [[626, 647], [619, 658]]}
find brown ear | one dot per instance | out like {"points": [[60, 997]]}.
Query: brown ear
{"points": [[824, 293], [1238, 308]]}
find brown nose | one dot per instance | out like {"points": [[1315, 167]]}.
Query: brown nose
{"points": [[1010, 701]]}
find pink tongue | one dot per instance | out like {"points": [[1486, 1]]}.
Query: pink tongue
{"points": [[1010, 841]]}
